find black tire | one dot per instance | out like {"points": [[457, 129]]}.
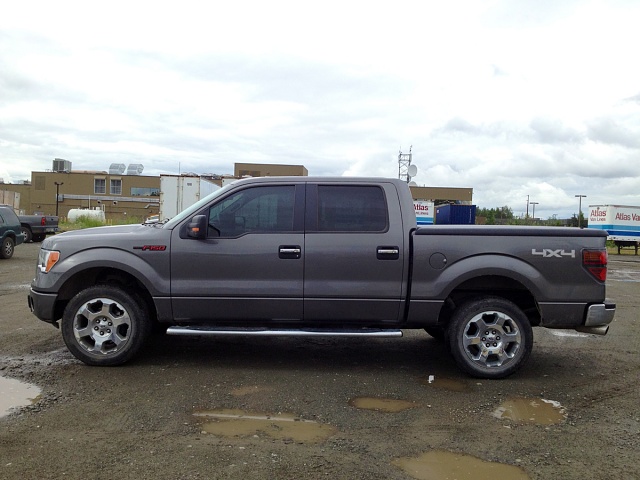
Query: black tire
{"points": [[104, 325], [8, 246], [39, 237], [436, 332], [27, 234], [490, 337]]}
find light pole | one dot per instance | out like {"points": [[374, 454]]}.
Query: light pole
{"points": [[57, 194], [580, 197], [533, 213]]}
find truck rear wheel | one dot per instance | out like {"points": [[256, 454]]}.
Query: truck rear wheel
{"points": [[104, 325], [6, 251], [27, 234], [490, 337]]}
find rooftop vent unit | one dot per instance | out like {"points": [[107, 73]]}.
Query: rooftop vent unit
{"points": [[61, 165], [117, 168], [135, 169]]}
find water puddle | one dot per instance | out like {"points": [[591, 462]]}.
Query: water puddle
{"points": [[439, 465], [242, 391], [444, 383], [530, 410], [387, 405], [16, 394], [237, 423]]}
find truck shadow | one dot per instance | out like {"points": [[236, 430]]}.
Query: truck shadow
{"points": [[410, 354]]}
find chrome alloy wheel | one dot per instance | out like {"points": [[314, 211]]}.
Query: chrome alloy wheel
{"points": [[491, 339], [102, 326]]}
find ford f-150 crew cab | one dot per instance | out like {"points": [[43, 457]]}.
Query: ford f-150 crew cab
{"points": [[321, 256]]}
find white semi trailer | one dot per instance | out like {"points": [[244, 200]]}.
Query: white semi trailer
{"points": [[622, 223], [178, 192]]}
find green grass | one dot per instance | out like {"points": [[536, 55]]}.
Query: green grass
{"points": [[88, 222]]}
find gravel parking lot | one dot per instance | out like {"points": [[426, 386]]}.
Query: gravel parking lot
{"points": [[295, 408]]}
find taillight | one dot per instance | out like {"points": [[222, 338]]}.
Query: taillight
{"points": [[595, 261], [42, 221]]}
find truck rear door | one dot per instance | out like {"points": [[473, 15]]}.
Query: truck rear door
{"points": [[354, 253]]}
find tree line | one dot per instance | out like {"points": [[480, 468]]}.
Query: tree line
{"points": [[504, 216]]}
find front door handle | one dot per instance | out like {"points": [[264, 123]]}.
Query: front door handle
{"points": [[388, 253], [290, 252]]}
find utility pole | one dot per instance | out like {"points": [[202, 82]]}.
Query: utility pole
{"points": [[533, 215], [580, 197]]}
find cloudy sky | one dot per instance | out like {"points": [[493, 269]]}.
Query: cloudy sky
{"points": [[537, 98]]}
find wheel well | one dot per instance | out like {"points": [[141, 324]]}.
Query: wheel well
{"points": [[494, 285], [103, 276]]}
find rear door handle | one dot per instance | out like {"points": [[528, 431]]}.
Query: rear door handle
{"points": [[289, 252], [388, 253]]}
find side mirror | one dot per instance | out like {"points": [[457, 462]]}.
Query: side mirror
{"points": [[197, 228]]}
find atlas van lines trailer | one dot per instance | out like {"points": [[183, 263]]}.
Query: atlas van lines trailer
{"points": [[622, 223]]}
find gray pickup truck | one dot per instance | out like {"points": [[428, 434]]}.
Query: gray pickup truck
{"points": [[36, 227], [321, 256]]}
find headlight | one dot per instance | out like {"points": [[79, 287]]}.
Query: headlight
{"points": [[47, 259]]}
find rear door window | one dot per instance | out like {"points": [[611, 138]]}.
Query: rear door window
{"points": [[351, 208]]}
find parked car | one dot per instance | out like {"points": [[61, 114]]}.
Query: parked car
{"points": [[11, 231]]}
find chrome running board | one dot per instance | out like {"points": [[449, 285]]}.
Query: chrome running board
{"points": [[278, 332]]}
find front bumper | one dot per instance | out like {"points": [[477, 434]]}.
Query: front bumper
{"points": [[42, 305]]}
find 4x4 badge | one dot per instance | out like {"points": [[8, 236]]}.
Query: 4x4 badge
{"points": [[548, 252]]}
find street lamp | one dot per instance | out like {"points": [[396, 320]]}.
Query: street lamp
{"points": [[533, 213], [580, 197], [57, 194]]}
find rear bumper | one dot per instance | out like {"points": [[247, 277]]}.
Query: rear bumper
{"points": [[600, 314], [42, 305]]}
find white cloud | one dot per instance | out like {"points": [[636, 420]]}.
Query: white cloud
{"points": [[537, 98]]}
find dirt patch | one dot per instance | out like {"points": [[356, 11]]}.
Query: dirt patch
{"points": [[137, 421]]}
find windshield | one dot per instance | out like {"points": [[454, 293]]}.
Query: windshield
{"points": [[196, 206]]}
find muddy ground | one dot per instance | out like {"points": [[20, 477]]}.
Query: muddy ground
{"points": [[314, 408]]}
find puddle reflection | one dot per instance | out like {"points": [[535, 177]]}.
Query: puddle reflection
{"points": [[237, 423], [15, 394], [532, 410], [438, 465]]}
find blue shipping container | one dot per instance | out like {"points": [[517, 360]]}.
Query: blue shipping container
{"points": [[455, 215]]}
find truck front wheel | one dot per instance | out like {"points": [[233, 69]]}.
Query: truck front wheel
{"points": [[104, 325], [490, 337]]}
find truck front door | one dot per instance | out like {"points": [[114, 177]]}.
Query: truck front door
{"points": [[250, 265]]}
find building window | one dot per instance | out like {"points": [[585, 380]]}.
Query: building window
{"points": [[39, 183], [100, 185], [145, 192], [115, 187]]}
